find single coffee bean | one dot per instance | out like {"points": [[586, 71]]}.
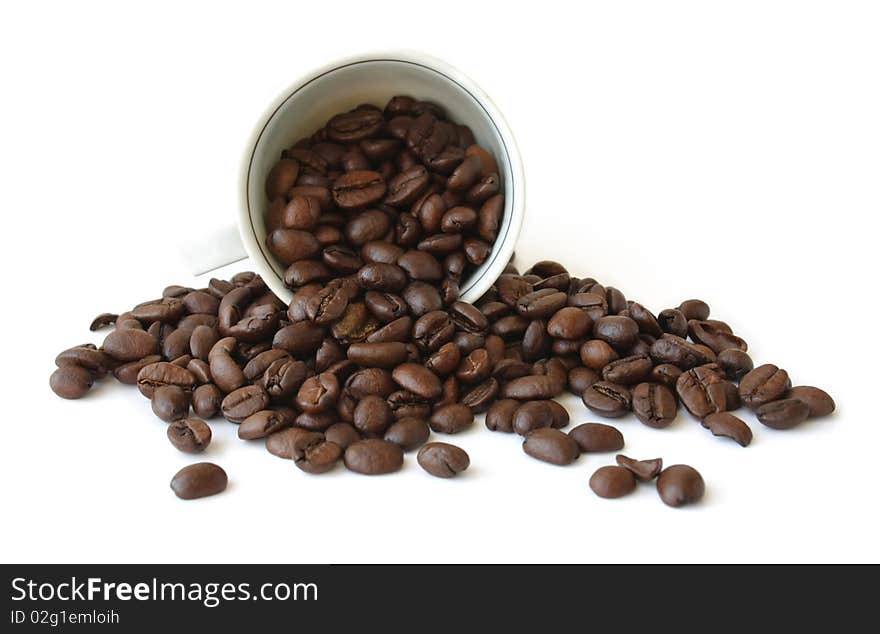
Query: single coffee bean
{"points": [[701, 390], [678, 352], [243, 402], [417, 379], [533, 387], [717, 339], [818, 401], [665, 374], [673, 321], [694, 309], [644, 470], [190, 435], [597, 354], [628, 370], [88, 357], [735, 363], [551, 445], [607, 399], [261, 424], [597, 437], [783, 414], [315, 457], [679, 485], [443, 460], [481, 396], [654, 404], [170, 403], [358, 188], [71, 381], [206, 400], [500, 415], [580, 378], [569, 323], [129, 344], [373, 456], [533, 415], [726, 424], [763, 384], [612, 482], [162, 373], [372, 415], [318, 393], [541, 304], [287, 442], [342, 434], [409, 433], [199, 480], [451, 419]]}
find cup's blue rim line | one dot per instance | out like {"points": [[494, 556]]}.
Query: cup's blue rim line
{"points": [[486, 266]]}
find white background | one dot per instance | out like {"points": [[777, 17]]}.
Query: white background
{"points": [[729, 151]]}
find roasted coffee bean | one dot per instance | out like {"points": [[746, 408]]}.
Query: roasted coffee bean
{"points": [[735, 363], [597, 354], [206, 400], [104, 319], [726, 424], [372, 415], [533, 387], [129, 344], [489, 217], [409, 433], [475, 367], [629, 370], [170, 402], [665, 374], [612, 482], [551, 445], [190, 435], [644, 470], [783, 414], [619, 332], [500, 415], [243, 402], [717, 339], [445, 360], [597, 437], [443, 460], [702, 391], [818, 401], [88, 357], [378, 355], [342, 434], [763, 384], [607, 399], [645, 320], [318, 393], [451, 419], [71, 381], [580, 378], [541, 304], [199, 480], [694, 309], [155, 375], [481, 396], [315, 455], [533, 415], [405, 404], [675, 350], [654, 404], [468, 317], [287, 442], [417, 379], [467, 342], [569, 323], [679, 485], [373, 456], [432, 330], [261, 424], [282, 178], [673, 321]]}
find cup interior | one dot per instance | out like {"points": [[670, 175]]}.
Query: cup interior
{"points": [[308, 106]]}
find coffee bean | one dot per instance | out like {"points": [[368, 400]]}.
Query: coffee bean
{"points": [[342, 434], [373, 456], [612, 482], [500, 415], [243, 402], [190, 435], [318, 393], [71, 381], [533, 387], [481, 396], [644, 470], [170, 402], [156, 375], [315, 456], [726, 424], [409, 433], [694, 309], [541, 304], [261, 424], [285, 442], [654, 404], [679, 485], [417, 379], [129, 345], [551, 445], [443, 460], [533, 415], [701, 391], [628, 370], [597, 437], [580, 378], [451, 419], [607, 399], [372, 415], [783, 414], [665, 374], [763, 384], [206, 400], [199, 480], [378, 355], [818, 401], [735, 363], [678, 352], [715, 338], [597, 354]]}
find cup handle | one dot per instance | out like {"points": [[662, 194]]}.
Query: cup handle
{"points": [[215, 249]]}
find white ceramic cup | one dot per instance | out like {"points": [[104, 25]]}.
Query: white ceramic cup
{"points": [[372, 78]]}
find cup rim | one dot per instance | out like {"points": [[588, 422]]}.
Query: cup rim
{"points": [[502, 248]]}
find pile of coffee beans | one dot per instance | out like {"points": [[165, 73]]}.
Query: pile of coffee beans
{"points": [[378, 217], [401, 199]]}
